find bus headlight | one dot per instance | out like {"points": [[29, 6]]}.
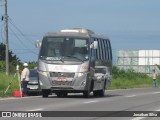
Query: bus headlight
{"points": [[82, 74], [43, 73], [99, 77]]}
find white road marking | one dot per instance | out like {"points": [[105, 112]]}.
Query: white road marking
{"points": [[143, 94], [130, 96], [17, 98], [156, 92], [90, 102], [36, 109], [126, 89], [8, 98], [157, 110]]}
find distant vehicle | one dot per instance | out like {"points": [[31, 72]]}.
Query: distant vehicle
{"points": [[68, 59], [33, 84]]}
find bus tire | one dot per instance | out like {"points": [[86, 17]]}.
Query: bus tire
{"points": [[95, 93], [86, 94], [45, 93], [59, 94], [64, 94], [102, 92]]}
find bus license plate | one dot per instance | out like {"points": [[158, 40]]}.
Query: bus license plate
{"points": [[62, 79]]}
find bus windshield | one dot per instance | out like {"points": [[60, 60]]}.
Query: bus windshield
{"points": [[64, 48]]}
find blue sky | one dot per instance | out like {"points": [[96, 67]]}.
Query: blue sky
{"points": [[130, 24]]}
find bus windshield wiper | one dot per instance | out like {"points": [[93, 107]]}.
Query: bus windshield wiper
{"points": [[74, 57]]}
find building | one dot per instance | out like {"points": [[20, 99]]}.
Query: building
{"points": [[139, 60]]}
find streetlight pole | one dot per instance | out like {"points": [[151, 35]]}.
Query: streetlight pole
{"points": [[6, 32]]}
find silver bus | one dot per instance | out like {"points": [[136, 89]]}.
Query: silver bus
{"points": [[68, 60]]}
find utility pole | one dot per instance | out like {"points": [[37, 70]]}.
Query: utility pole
{"points": [[6, 32]]}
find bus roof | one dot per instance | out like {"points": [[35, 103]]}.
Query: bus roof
{"points": [[57, 34], [75, 32]]}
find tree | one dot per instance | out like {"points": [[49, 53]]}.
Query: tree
{"points": [[12, 57]]}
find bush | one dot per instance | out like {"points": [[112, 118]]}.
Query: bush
{"points": [[5, 81], [129, 79], [2, 66]]}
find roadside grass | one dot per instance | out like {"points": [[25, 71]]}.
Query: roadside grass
{"points": [[124, 79], [120, 83], [4, 83]]}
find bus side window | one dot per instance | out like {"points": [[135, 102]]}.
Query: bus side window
{"points": [[108, 54], [98, 50], [110, 50], [93, 54]]}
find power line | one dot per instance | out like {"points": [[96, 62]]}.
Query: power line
{"points": [[2, 4], [26, 35], [11, 21], [13, 24], [24, 53], [22, 42], [24, 49]]}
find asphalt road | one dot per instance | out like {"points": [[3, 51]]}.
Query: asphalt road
{"points": [[115, 102]]}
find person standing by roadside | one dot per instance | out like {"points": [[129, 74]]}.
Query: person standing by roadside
{"points": [[25, 78], [154, 77]]}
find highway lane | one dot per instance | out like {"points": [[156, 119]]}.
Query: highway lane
{"points": [[114, 100]]}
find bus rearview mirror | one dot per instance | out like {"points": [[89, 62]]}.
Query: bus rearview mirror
{"points": [[94, 45], [38, 44]]}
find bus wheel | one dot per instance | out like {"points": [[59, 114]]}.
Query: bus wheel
{"points": [[59, 94], [45, 93], [86, 94], [64, 94], [102, 92], [95, 93]]}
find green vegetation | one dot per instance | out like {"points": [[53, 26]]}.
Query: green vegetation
{"points": [[122, 79], [6, 80], [12, 56], [13, 62], [4, 83]]}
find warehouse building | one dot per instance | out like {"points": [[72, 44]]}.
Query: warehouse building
{"points": [[139, 60]]}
